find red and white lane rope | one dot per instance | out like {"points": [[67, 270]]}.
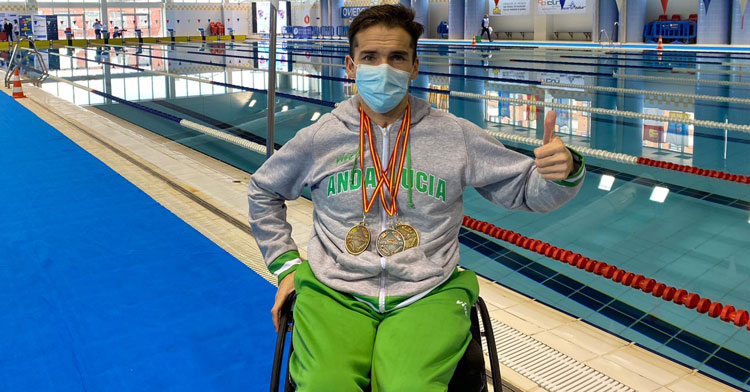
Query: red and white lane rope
{"points": [[625, 158], [726, 313]]}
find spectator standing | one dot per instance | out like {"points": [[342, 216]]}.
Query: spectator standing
{"points": [[486, 27], [97, 29], [16, 30], [8, 30]]}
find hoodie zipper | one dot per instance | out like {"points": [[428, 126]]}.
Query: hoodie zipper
{"points": [[383, 158]]}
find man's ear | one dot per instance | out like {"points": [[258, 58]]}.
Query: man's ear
{"points": [[351, 72], [415, 71]]}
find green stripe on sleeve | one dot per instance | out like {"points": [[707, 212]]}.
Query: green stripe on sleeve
{"points": [[283, 261], [575, 178]]}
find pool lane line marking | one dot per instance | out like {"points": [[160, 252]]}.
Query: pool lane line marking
{"points": [[522, 81], [610, 112], [630, 159], [680, 80], [639, 59], [650, 93], [714, 71], [234, 86], [703, 305], [601, 111], [252, 146], [587, 151]]}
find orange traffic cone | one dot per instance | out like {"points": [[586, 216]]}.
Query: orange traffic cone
{"points": [[17, 90], [473, 40], [660, 46]]}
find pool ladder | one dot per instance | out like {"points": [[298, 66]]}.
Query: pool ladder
{"points": [[606, 34], [18, 60]]}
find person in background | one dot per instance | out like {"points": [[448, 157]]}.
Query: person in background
{"points": [[116, 33], [486, 27], [8, 29], [16, 30], [97, 29]]}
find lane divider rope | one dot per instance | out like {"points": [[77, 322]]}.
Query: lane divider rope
{"points": [[586, 151], [630, 159], [649, 94], [201, 80], [606, 112], [690, 300]]}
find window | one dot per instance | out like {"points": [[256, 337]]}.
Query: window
{"points": [[670, 136]]}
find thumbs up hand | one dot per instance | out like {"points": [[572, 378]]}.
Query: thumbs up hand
{"points": [[553, 160]]}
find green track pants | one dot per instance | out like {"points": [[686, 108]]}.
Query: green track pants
{"points": [[342, 344]]}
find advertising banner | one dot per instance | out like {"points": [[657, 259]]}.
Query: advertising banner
{"points": [[509, 7], [52, 32], [677, 134], [552, 7], [24, 26], [9, 17], [351, 12], [39, 27], [550, 77], [653, 133]]}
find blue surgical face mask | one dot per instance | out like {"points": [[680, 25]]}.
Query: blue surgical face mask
{"points": [[381, 86]]}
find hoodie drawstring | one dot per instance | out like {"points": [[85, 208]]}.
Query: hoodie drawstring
{"points": [[409, 172]]}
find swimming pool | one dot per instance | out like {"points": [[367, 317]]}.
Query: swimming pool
{"points": [[693, 237]]}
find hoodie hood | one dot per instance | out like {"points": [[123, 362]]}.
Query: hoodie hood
{"points": [[348, 111]]}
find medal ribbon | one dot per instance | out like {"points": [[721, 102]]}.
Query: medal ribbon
{"points": [[383, 177]]}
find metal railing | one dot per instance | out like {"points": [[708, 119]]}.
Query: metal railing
{"points": [[18, 60], [606, 34], [604, 31]]}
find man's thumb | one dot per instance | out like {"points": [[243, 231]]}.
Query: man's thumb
{"points": [[549, 126]]}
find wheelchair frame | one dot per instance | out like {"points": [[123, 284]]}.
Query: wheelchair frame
{"points": [[286, 323]]}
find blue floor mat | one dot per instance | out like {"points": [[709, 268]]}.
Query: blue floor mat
{"points": [[103, 289]]}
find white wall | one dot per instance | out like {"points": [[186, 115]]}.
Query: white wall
{"points": [[682, 7], [189, 14], [563, 23], [310, 8], [239, 18], [438, 12], [520, 23], [575, 23]]}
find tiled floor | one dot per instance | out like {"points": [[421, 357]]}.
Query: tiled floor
{"points": [[224, 187]]}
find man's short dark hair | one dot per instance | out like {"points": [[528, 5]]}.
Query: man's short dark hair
{"points": [[389, 15]]}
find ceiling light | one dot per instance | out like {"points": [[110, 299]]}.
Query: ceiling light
{"points": [[285, 108], [659, 194], [252, 103], [606, 182], [315, 116]]}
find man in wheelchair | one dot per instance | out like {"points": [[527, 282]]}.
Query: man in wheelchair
{"points": [[380, 301]]}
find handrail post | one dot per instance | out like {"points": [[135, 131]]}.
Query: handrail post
{"points": [[271, 78]]}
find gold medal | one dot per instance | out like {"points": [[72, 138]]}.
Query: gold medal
{"points": [[357, 239], [411, 237], [390, 242]]}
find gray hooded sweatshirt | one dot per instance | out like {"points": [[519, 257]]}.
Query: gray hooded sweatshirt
{"points": [[447, 155]]}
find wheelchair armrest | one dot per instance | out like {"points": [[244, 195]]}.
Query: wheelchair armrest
{"points": [[289, 303]]}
